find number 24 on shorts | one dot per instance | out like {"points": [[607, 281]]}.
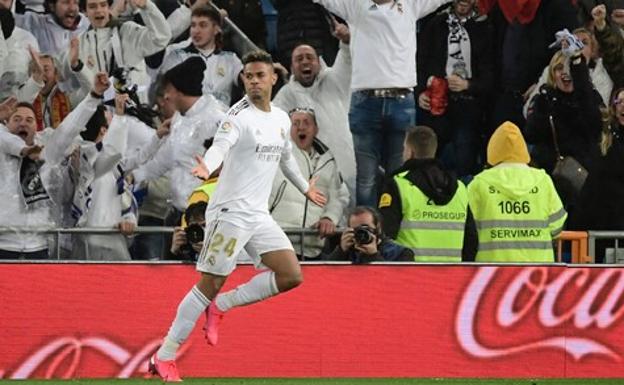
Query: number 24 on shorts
{"points": [[216, 245]]}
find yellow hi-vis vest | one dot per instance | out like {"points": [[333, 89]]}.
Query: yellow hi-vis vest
{"points": [[201, 193], [512, 227], [434, 233]]}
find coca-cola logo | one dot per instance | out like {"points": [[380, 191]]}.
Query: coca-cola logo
{"points": [[597, 305], [62, 358]]}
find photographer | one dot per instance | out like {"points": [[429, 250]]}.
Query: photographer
{"points": [[364, 241], [188, 239]]}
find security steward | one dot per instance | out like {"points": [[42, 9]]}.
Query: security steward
{"points": [[425, 208], [516, 208]]}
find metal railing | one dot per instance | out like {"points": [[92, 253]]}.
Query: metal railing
{"points": [[616, 236], [582, 248], [58, 231]]}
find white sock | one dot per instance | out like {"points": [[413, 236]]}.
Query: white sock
{"points": [[261, 286], [189, 310]]}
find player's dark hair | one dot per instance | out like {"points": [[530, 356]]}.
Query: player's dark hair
{"points": [[258, 56]]}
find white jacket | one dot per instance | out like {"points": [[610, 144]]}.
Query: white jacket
{"points": [[330, 97], [14, 67], [127, 43], [176, 155], [14, 210], [110, 202], [53, 38], [290, 208]]}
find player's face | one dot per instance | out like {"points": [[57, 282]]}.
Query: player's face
{"points": [[23, 124], [66, 11], [303, 130], [98, 13], [259, 79], [305, 65], [203, 31]]}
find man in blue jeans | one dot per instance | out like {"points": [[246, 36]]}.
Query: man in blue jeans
{"points": [[383, 51]]}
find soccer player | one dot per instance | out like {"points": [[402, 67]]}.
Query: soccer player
{"points": [[252, 142]]}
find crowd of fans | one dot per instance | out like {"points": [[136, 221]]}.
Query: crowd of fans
{"points": [[104, 105]]}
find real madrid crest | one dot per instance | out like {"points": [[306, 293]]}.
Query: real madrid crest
{"points": [[226, 126], [221, 71]]}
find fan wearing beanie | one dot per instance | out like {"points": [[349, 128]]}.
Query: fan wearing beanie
{"points": [[516, 207], [187, 76], [195, 121]]}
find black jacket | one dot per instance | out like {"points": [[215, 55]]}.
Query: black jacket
{"points": [[576, 116], [436, 183], [387, 251], [302, 21], [248, 16], [433, 53], [601, 204], [531, 50]]}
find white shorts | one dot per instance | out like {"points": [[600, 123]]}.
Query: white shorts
{"points": [[224, 241]]}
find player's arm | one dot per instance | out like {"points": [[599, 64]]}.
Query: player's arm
{"points": [[227, 135]]}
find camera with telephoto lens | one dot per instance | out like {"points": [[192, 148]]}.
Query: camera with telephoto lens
{"points": [[363, 234], [134, 107], [194, 233]]}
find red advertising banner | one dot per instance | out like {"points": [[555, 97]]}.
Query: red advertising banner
{"points": [[92, 320]]}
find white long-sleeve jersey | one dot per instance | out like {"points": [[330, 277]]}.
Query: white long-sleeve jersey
{"points": [[383, 39], [251, 144]]}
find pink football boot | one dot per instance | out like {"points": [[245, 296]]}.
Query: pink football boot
{"points": [[213, 319], [167, 370]]}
